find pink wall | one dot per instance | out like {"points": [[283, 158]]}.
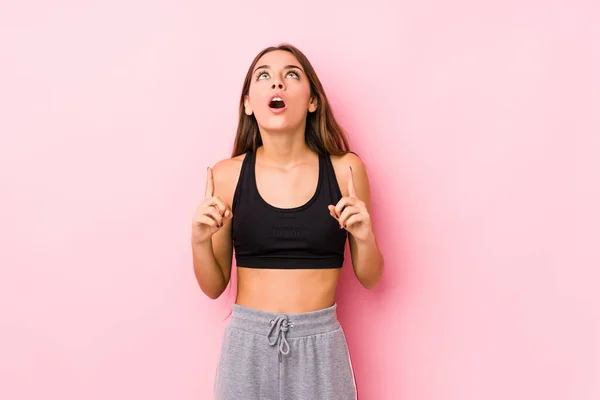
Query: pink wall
{"points": [[480, 126]]}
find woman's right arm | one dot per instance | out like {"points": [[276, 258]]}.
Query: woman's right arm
{"points": [[212, 247]]}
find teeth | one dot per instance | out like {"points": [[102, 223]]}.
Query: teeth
{"points": [[277, 99]]}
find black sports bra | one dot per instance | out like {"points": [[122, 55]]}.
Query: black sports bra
{"points": [[304, 237]]}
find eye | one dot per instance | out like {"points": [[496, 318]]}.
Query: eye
{"points": [[262, 75], [294, 74]]}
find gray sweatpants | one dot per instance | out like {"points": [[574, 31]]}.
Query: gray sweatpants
{"points": [[271, 356]]}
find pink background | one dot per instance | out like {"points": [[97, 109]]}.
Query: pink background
{"points": [[480, 126]]}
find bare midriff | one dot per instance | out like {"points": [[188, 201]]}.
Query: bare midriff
{"points": [[287, 291]]}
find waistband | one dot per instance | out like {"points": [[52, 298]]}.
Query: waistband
{"points": [[297, 324], [278, 327]]}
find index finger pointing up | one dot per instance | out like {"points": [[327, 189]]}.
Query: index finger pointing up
{"points": [[210, 185], [351, 187]]}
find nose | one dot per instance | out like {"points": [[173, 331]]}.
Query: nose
{"points": [[277, 85]]}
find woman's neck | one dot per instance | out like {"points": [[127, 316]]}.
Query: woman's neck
{"points": [[284, 149]]}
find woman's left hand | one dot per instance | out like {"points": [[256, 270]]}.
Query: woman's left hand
{"points": [[351, 213]]}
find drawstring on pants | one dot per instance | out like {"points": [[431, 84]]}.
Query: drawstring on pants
{"points": [[280, 325]]}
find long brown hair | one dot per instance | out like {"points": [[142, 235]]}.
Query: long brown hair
{"points": [[323, 134]]}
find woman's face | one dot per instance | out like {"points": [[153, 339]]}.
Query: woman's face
{"points": [[279, 94]]}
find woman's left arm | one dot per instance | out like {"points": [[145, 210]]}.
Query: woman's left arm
{"points": [[353, 213]]}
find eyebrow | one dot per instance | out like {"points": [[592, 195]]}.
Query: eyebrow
{"points": [[286, 67]]}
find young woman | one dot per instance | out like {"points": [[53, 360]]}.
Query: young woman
{"points": [[286, 202]]}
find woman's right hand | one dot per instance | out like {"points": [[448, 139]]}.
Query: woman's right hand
{"points": [[210, 215]]}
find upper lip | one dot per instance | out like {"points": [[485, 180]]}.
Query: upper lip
{"points": [[277, 95]]}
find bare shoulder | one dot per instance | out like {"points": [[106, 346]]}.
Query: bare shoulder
{"points": [[225, 175], [359, 172], [227, 167], [348, 159]]}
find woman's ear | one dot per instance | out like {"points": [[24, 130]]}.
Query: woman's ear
{"points": [[312, 106], [247, 108]]}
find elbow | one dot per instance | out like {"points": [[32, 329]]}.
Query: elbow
{"points": [[370, 284], [212, 293], [212, 288], [370, 281]]}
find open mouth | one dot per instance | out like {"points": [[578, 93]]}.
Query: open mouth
{"points": [[276, 102]]}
